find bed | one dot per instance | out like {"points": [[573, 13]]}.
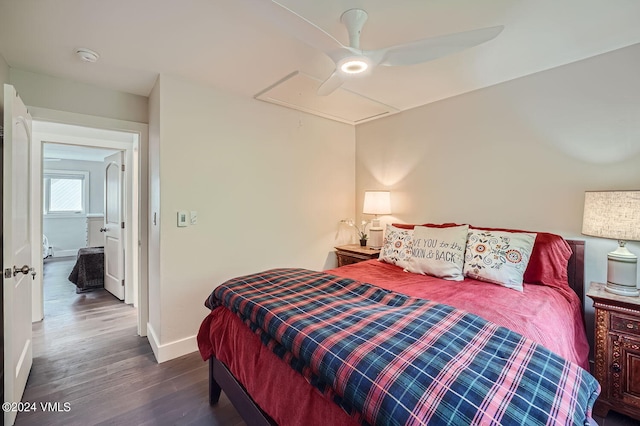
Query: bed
{"points": [[88, 272], [256, 373]]}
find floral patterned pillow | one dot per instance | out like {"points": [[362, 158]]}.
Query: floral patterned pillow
{"points": [[498, 257], [397, 246]]}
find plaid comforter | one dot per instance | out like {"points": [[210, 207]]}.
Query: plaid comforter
{"points": [[396, 359]]}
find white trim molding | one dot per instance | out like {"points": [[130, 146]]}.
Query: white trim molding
{"points": [[171, 350]]}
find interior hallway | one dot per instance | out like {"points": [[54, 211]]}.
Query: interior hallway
{"points": [[87, 354]]}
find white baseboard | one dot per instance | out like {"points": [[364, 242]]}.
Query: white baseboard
{"points": [[171, 350], [65, 253]]}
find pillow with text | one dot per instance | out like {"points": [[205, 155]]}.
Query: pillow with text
{"points": [[439, 252]]}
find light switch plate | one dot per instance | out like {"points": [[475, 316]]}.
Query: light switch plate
{"points": [[194, 217], [182, 218]]}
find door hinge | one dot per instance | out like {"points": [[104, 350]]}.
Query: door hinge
{"points": [[122, 225], [122, 283], [123, 167]]}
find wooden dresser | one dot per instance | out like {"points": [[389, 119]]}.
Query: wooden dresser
{"points": [[354, 253], [617, 351]]}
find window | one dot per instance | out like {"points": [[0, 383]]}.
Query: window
{"points": [[65, 192]]}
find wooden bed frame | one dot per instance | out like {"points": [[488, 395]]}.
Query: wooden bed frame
{"points": [[221, 379]]}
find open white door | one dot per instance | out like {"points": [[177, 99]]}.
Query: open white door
{"points": [[16, 262], [113, 226]]}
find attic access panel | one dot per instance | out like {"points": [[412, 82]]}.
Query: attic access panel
{"points": [[298, 91]]}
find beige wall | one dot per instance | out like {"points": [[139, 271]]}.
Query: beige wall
{"points": [[519, 154], [269, 185], [45, 91], [4, 78]]}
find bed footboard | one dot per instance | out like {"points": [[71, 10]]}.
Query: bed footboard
{"points": [[220, 378]]}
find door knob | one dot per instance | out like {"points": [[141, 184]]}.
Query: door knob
{"points": [[25, 270], [103, 229]]}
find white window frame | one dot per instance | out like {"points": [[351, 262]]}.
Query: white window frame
{"points": [[46, 191]]}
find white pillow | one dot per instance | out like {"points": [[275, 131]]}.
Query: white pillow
{"points": [[439, 252], [498, 257], [397, 246]]}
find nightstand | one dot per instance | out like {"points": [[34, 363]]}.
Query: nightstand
{"points": [[617, 351], [354, 253]]}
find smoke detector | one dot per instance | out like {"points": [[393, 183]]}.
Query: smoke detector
{"points": [[87, 55]]}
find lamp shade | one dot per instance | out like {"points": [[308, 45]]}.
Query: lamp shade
{"points": [[612, 214], [377, 202]]}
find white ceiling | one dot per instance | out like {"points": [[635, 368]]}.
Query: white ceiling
{"points": [[222, 43], [56, 152], [61, 141]]}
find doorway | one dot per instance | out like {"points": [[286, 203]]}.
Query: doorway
{"points": [[74, 222], [101, 135]]}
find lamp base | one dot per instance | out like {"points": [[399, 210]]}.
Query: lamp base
{"points": [[622, 272], [621, 290], [377, 240]]}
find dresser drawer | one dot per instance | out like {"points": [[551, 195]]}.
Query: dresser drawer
{"points": [[345, 259], [354, 253], [625, 324]]}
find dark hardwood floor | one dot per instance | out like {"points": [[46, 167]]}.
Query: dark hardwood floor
{"points": [[87, 354]]}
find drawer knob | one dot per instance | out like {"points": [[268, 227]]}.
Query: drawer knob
{"points": [[629, 325], [616, 367]]}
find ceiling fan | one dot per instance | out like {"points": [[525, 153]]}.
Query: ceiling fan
{"points": [[351, 61]]}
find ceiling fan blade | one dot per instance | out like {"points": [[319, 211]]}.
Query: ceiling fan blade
{"points": [[295, 25], [334, 81], [428, 49]]}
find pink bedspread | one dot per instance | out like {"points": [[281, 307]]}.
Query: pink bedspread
{"points": [[549, 316]]}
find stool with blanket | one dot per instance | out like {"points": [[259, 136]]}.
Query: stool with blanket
{"points": [[88, 272]]}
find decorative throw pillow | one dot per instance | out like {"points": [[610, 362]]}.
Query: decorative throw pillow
{"points": [[548, 261], [397, 246], [439, 252], [498, 257]]}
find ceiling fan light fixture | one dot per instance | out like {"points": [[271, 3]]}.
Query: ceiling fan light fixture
{"points": [[354, 66], [351, 61]]}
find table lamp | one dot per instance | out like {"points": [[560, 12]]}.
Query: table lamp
{"points": [[376, 203], [616, 215]]}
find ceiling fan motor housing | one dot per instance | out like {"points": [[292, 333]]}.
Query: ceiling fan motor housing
{"points": [[354, 20]]}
